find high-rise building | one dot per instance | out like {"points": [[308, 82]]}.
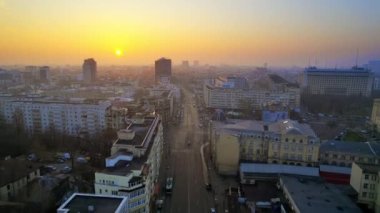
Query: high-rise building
{"points": [[44, 73], [36, 74], [89, 70], [346, 82], [163, 70]]}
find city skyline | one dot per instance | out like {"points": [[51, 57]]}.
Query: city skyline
{"points": [[286, 33]]}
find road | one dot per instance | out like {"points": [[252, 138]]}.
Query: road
{"points": [[182, 161]]}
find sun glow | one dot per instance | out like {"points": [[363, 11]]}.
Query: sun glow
{"points": [[118, 52]]}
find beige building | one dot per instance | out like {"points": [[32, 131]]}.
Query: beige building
{"points": [[284, 142], [14, 176], [375, 118], [133, 167], [365, 181]]}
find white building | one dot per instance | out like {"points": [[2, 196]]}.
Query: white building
{"points": [[72, 117], [79, 202], [346, 82], [232, 93], [133, 167]]}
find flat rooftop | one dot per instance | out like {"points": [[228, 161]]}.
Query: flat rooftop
{"points": [[140, 130], [369, 168], [284, 126], [312, 195], [101, 203], [123, 168]]}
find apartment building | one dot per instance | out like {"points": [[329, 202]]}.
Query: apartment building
{"points": [[232, 93], [345, 82], [133, 167], [72, 116], [283, 142], [365, 180]]}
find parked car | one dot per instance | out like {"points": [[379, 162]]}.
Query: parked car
{"points": [[66, 169]]}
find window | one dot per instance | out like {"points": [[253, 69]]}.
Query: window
{"points": [[373, 177], [364, 194], [301, 141], [335, 156], [365, 186], [366, 177], [286, 139], [100, 191], [371, 195], [372, 186]]}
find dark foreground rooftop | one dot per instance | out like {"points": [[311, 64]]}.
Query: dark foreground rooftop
{"points": [[99, 203]]}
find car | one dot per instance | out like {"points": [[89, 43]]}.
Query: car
{"points": [[212, 210], [208, 186], [66, 169], [50, 168], [60, 160]]}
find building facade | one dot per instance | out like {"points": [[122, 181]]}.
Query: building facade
{"points": [[72, 117], [365, 181], [344, 153], [133, 167], [344, 82], [234, 93], [283, 142], [163, 70], [89, 69]]}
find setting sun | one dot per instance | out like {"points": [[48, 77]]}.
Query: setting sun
{"points": [[118, 52]]}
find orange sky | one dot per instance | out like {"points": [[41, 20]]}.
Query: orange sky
{"points": [[288, 32]]}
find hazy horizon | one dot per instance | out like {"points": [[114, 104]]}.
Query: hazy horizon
{"points": [[251, 33]]}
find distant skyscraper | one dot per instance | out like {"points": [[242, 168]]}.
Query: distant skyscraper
{"points": [[44, 73], [196, 63], [185, 64], [163, 70], [89, 70], [35, 73]]}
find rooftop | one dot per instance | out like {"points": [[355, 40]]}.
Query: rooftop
{"points": [[139, 131], [369, 168], [284, 127], [11, 170], [100, 203], [312, 195], [278, 169], [361, 148]]}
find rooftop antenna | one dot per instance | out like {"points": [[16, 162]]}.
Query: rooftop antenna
{"points": [[357, 56]]}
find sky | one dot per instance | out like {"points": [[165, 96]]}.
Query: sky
{"points": [[238, 32]]}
